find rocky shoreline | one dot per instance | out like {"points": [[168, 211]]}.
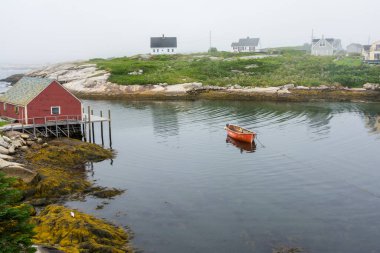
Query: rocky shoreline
{"points": [[87, 81], [49, 172]]}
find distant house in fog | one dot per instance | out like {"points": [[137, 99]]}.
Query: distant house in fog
{"points": [[365, 52], [325, 47], [371, 53], [245, 45], [163, 45], [354, 48]]}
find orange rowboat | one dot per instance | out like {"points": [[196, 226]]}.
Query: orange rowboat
{"points": [[239, 133]]}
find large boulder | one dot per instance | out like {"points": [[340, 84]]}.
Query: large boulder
{"points": [[4, 143], [371, 86], [4, 151]]}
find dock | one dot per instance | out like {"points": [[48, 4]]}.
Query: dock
{"points": [[71, 126]]}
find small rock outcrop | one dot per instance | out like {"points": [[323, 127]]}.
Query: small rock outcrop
{"points": [[371, 86]]}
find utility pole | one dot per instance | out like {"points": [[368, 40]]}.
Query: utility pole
{"points": [[210, 41]]}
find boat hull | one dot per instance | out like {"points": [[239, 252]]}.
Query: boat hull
{"points": [[244, 137]]}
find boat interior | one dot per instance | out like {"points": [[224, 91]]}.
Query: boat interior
{"points": [[238, 129]]}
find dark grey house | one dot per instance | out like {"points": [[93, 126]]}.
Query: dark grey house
{"points": [[163, 45], [245, 45]]}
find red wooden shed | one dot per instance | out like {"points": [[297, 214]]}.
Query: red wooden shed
{"points": [[39, 100]]}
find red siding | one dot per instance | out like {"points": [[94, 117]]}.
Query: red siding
{"points": [[11, 113], [40, 107], [54, 95]]}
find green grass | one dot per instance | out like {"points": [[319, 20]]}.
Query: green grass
{"points": [[3, 123], [225, 68]]}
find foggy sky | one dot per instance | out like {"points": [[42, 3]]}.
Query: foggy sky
{"points": [[47, 31]]}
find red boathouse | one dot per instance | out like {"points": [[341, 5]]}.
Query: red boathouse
{"points": [[39, 100]]}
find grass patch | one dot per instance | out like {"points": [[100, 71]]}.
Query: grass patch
{"points": [[225, 68]]}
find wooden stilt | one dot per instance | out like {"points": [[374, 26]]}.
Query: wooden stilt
{"points": [[109, 127], [93, 128], [34, 128], [56, 127], [89, 124], [101, 128], [68, 128], [84, 128]]}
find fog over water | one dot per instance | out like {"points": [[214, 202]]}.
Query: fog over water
{"points": [[47, 31]]}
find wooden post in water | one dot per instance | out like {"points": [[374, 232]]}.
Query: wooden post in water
{"points": [[84, 128], [101, 128], [93, 128], [89, 124], [109, 127]]}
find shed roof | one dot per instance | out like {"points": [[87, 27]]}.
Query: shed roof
{"points": [[163, 42], [247, 42], [25, 90]]}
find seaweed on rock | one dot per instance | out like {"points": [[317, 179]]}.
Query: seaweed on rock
{"points": [[73, 231]]}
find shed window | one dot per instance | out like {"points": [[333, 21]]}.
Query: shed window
{"points": [[55, 110], [5, 107], [16, 109]]}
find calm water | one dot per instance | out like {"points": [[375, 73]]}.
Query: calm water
{"points": [[313, 183]]}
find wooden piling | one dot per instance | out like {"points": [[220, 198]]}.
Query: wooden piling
{"points": [[109, 127], [84, 128], [68, 128], [101, 128], [93, 128], [34, 128], [89, 124]]}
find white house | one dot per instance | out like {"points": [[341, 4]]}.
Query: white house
{"points": [[163, 45], [354, 48], [371, 53], [245, 45], [325, 47]]}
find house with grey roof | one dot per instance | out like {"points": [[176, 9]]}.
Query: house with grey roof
{"points": [[245, 45], [326, 46], [354, 48], [163, 45], [38, 100]]}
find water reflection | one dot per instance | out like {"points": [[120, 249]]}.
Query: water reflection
{"points": [[165, 118], [242, 146], [373, 123]]}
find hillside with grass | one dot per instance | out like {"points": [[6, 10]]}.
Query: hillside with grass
{"points": [[245, 69]]}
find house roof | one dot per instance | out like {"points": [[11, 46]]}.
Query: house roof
{"points": [[329, 40], [355, 45], [25, 90], [247, 42], [163, 42], [366, 47]]}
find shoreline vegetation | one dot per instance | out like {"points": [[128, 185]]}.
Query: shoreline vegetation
{"points": [[277, 75], [46, 174]]}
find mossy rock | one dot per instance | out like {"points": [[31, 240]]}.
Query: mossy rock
{"points": [[61, 168], [68, 153], [82, 233]]}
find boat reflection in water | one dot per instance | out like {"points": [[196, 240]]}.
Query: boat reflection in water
{"points": [[243, 146]]}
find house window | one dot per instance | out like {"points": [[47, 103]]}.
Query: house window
{"points": [[154, 50], [55, 110], [172, 50], [322, 43], [17, 109], [5, 107]]}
